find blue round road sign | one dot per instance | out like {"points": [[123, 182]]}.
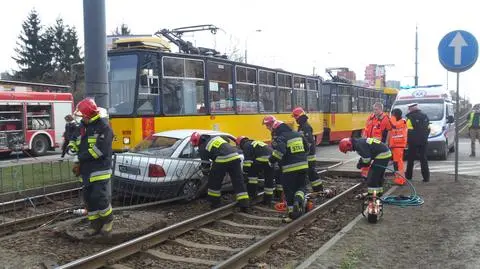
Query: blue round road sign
{"points": [[458, 51]]}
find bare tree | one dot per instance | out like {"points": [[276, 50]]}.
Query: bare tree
{"points": [[234, 51]]}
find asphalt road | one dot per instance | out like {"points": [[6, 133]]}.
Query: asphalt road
{"points": [[467, 165]]}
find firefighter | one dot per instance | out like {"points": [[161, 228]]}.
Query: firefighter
{"points": [[224, 159], [372, 153], [473, 124], [307, 131], [377, 126], [71, 128], [397, 143], [290, 150], [94, 163], [268, 121], [256, 155]]}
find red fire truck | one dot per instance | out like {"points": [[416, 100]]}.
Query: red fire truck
{"points": [[32, 121]]}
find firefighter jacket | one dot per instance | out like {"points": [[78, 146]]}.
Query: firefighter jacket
{"points": [[307, 131], [418, 126], [289, 149], [95, 149], [377, 127], [473, 120], [254, 151], [370, 149], [398, 134], [218, 150]]}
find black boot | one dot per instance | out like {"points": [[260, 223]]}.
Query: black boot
{"points": [[94, 228], [243, 204], [267, 199]]}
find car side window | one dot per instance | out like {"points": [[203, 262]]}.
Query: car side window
{"points": [[189, 152]]}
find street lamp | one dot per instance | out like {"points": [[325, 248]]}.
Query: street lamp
{"points": [[246, 40]]}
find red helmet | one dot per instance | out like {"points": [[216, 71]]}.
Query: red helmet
{"points": [[297, 112], [268, 120], [87, 108], [239, 139], [195, 139], [345, 145]]}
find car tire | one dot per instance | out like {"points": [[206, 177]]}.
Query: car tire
{"points": [[191, 189], [443, 156]]}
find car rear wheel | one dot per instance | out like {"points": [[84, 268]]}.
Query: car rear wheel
{"points": [[191, 189]]}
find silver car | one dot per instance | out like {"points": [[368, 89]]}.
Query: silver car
{"points": [[162, 166]]}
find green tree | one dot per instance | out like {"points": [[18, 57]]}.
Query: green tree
{"points": [[123, 30], [64, 46], [34, 56]]}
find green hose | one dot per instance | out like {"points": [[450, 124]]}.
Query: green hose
{"points": [[412, 200]]}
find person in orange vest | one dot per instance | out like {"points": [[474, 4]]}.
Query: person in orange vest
{"points": [[397, 142], [377, 126]]}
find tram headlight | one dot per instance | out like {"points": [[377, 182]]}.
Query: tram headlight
{"points": [[126, 140]]}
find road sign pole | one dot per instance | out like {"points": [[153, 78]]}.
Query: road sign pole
{"points": [[457, 115], [457, 52]]}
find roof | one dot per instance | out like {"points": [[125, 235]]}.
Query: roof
{"points": [[184, 133]]}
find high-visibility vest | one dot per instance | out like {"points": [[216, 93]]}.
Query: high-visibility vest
{"points": [[398, 134], [376, 126]]}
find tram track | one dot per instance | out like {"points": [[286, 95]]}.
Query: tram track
{"points": [[224, 238]]}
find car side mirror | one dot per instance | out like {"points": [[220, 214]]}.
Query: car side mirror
{"points": [[450, 119]]}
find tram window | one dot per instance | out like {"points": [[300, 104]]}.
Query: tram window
{"points": [[266, 78], [194, 69], [284, 80], [221, 98], [220, 87], [299, 96], [122, 78], [299, 83], [241, 73], [326, 98], [173, 67], [251, 75], [284, 100], [267, 98], [311, 84], [312, 101], [219, 72], [183, 96], [246, 98]]}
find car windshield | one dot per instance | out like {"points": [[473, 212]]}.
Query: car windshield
{"points": [[433, 108], [160, 146]]}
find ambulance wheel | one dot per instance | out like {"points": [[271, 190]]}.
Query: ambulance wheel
{"points": [[444, 154], [372, 218], [39, 145]]}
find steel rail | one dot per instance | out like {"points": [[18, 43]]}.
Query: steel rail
{"points": [[241, 258]]}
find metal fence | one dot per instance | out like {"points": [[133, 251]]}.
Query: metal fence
{"points": [[31, 190]]}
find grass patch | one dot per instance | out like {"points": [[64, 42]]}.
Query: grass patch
{"points": [[351, 258], [34, 175]]}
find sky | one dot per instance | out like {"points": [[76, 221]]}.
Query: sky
{"points": [[295, 35]]}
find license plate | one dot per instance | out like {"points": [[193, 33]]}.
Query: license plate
{"points": [[129, 170]]}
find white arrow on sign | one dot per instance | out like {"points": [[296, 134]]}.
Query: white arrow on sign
{"points": [[457, 43]]}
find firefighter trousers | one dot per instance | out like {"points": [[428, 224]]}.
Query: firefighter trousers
{"points": [[294, 187], [375, 176], [215, 179], [315, 180], [398, 165], [97, 197], [257, 169]]}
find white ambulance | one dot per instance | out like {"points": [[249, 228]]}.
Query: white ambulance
{"points": [[436, 102]]}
